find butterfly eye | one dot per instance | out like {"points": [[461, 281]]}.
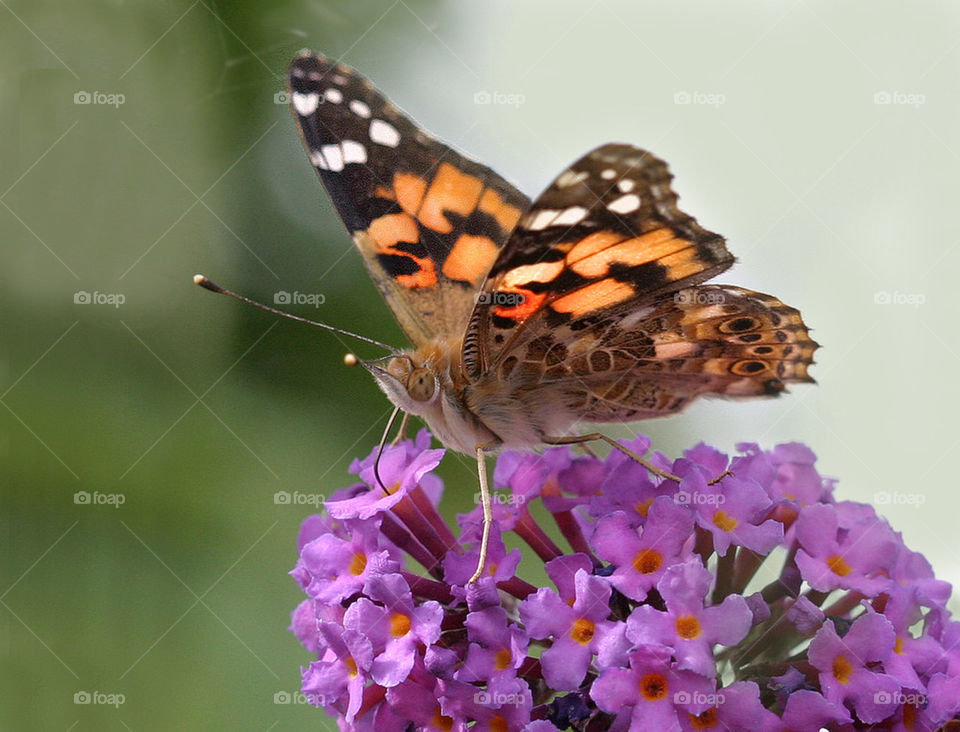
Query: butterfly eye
{"points": [[421, 384]]}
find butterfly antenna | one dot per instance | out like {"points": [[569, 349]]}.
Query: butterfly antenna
{"points": [[208, 284], [383, 442]]}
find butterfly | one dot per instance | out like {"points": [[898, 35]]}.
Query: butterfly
{"points": [[529, 318]]}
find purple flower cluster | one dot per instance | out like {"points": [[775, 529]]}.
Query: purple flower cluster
{"points": [[756, 602]]}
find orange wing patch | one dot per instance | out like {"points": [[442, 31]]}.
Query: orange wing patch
{"points": [[451, 191], [392, 229], [409, 190], [593, 297], [529, 303], [470, 259], [505, 214], [594, 256]]}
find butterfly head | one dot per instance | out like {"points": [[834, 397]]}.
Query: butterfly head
{"points": [[410, 383]]}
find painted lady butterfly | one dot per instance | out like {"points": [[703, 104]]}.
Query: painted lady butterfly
{"points": [[530, 318]]}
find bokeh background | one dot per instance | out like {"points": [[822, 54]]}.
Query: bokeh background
{"points": [[821, 138]]}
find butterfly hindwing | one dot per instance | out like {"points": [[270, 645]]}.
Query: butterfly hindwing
{"points": [[706, 339], [605, 237], [428, 221]]}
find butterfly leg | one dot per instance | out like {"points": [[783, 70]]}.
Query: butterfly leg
{"points": [[578, 439], [487, 512]]}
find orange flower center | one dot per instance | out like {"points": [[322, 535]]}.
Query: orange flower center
{"points": [[499, 724], [842, 669], [688, 627], [582, 631], [441, 722], [647, 561], [351, 666], [724, 521], [704, 720], [839, 565], [399, 625], [653, 687], [502, 659], [643, 507], [358, 564]]}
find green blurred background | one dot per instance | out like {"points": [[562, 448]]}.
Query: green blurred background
{"points": [[820, 138]]}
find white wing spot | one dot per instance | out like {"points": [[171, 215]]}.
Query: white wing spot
{"points": [[316, 157], [338, 79], [305, 103], [334, 157], [625, 204], [384, 133], [608, 174], [333, 95], [570, 178], [540, 219], [360, 109], [353, 152], [570, 216], [626, 185]]}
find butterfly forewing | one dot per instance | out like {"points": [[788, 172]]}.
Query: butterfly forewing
{"points": [[605, 237], [428, 221]]}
